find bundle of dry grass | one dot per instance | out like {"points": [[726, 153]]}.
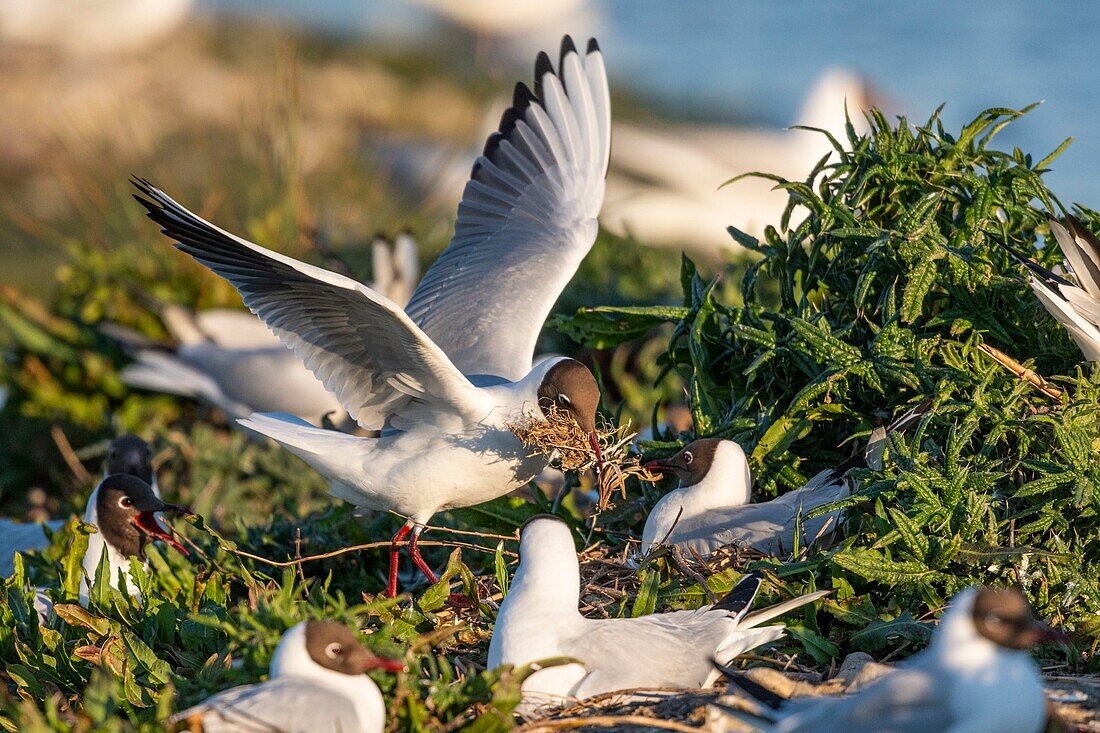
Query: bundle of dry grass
{"points": [[558, 437]]}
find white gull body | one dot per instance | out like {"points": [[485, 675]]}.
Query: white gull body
{"points": [[539, 619], [715, 512], [962, 683], [233, 361], [300, 696]]}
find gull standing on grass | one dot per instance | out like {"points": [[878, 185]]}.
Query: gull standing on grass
{"points": [[977, 676], [127, 454], [317, 685], [539, 619], [710, 509], [234, 362], [443, 379], [1075, 305]]}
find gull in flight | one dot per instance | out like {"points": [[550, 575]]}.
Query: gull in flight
{"points": [[442, 379]]}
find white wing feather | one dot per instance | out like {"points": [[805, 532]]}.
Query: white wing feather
{"points": [[364, 348], [526, 220]]}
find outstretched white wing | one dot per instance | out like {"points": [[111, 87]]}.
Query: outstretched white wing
{"points": [[526, 220], [377, 362]]}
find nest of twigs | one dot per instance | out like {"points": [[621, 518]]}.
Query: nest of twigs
{"points": [[559, 438]]}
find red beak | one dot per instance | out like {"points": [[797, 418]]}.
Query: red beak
{"points": [[594, 441], [655, 467], [387, 665], [147, 523]]}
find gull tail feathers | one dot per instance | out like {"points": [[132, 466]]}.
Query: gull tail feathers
{"points": [[741, 640], [327, 451]]}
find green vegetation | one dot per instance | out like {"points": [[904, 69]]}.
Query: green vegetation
{"points": [[883, 296]]}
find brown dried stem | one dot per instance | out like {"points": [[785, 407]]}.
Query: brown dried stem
{"points": [[1022, 372]]}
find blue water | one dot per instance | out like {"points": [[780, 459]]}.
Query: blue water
{"points": [[735, 59]]}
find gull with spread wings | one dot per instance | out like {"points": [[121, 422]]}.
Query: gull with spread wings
{"points": [[442, 379]]}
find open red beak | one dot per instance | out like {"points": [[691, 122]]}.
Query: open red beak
{"points": [[147, 523], [387, 665], [654, 467]]}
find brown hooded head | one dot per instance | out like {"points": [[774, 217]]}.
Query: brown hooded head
{"points": [[335, 647], [691, 464], [572, 388], [1004, 616], [125, 514]]}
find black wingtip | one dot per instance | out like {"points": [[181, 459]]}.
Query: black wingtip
{"points": [[521, 97], [755, 690], [593, 46], [542, 68], [567, 47], [741, 595]]}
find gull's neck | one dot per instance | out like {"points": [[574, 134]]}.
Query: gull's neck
{"points": [[97, 545], [291, 659], [957, 645], [727, 483]]}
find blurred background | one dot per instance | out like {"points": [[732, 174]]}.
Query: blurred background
{"points": [[372, 109], [310, 126]]}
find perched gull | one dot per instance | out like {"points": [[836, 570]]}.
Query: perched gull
{"points": [[976, 676], [126, 454], [233, 361], [123, 509], [1075, 306], [443, 379], [316, 685], [711, 509], [539, 620]]}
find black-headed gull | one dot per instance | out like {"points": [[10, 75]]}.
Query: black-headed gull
{"points": [[317, 684], [710, 508], [976, 676], [443, 378], [126, 454], [123, 508], [539, 619], [233, 361], [1075, 305]]}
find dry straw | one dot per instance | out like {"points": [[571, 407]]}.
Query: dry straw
{"points": [[558, 437]]}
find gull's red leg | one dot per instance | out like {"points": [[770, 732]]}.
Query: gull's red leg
{"points": [[455, 600], [414, 553], [391, 586]]}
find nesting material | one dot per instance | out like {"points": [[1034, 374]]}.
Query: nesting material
{"points": [[558, 437]]}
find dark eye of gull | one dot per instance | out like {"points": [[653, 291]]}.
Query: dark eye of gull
{"points": [[334, 650], [688, 458]]}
